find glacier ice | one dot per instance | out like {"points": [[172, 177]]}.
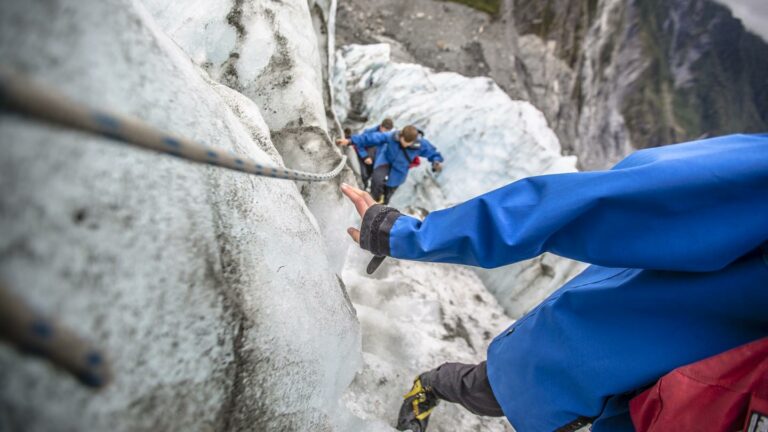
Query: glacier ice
{"points": [[279, 62], [235, 302], [487, 139], [414, 317], [208, 289]]}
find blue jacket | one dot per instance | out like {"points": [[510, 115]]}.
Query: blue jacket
{"points": [[362, 151], [392, 154], [678, 239], [372, 129]]}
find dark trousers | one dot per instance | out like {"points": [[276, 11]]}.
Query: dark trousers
{"points": [[367, 170], [380, 192], [466, 385]]}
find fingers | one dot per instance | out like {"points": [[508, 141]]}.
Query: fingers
{"points": [[354, 196], [355, 234], [361, 199], [369, 199]]}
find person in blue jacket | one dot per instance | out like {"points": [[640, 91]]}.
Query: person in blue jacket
{"points": [[677, 239], [366, 156], [397, 150], [385, 126]]}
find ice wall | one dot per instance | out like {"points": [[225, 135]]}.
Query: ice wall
{"points": [[487, 139], [414, 317], [209, 290], [276, 54]]}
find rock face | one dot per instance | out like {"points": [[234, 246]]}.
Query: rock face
{"points": [[609, 75], [209, 290], [487, 139], [666, 71]]}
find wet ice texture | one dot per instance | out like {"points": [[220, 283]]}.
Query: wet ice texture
{"points": [[208, 289], [487, 139], [414, 317], [216, 294], [277, 55]]}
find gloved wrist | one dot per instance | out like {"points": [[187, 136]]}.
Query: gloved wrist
{"points": [[374, 231]]}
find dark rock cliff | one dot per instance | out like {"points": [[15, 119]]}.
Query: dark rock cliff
{"points": [[609, 75]]}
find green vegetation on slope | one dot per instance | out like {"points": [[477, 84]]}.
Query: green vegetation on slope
{"points": [[564, 21], [490, 6], [724, 90], [725, 93]]}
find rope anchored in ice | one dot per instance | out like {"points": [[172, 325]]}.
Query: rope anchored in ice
{"points": [[35, 100]]}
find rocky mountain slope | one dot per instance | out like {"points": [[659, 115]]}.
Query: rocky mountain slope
{"points": [[609, 75]]}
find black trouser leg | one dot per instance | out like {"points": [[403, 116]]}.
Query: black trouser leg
{"points": [[367, 170], [388, 192], [464, 384], [379, 183], [365, 173]]}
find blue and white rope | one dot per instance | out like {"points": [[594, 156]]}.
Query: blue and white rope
{"points": [[38, 101], [36, 334]]}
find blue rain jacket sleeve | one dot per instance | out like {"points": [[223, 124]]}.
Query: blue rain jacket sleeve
{"points": [[428, 151], [691, 207], [591, 346], [680, 236], [365, 139], [372, 129]]}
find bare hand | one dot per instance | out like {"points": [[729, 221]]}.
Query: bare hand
{"points": [[362, 201], [437, 167], [342, 142], [368, 161]]}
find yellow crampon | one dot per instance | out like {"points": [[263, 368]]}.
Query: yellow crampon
{"points": [[417, 406], [420, 396]]}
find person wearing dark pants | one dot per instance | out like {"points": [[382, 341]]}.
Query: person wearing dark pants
{"points": [[677, 242], [379, 186], [366, 167], [464, 384], [366, 155], [396, 152]]}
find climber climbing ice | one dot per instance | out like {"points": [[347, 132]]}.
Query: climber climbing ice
{"points": [[398, 150], [366, 155], [678, 241]]}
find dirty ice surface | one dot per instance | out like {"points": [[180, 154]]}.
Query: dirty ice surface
{"points": [[416, 316], [488, 140]]}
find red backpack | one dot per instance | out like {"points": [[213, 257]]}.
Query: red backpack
{"points": [[727, 392]]}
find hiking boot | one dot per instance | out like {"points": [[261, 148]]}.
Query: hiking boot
{"points": [[417, 406]]}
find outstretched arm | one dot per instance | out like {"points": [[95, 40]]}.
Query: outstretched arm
{"points": [[361, 141], [689, 207], [429, 151]]}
